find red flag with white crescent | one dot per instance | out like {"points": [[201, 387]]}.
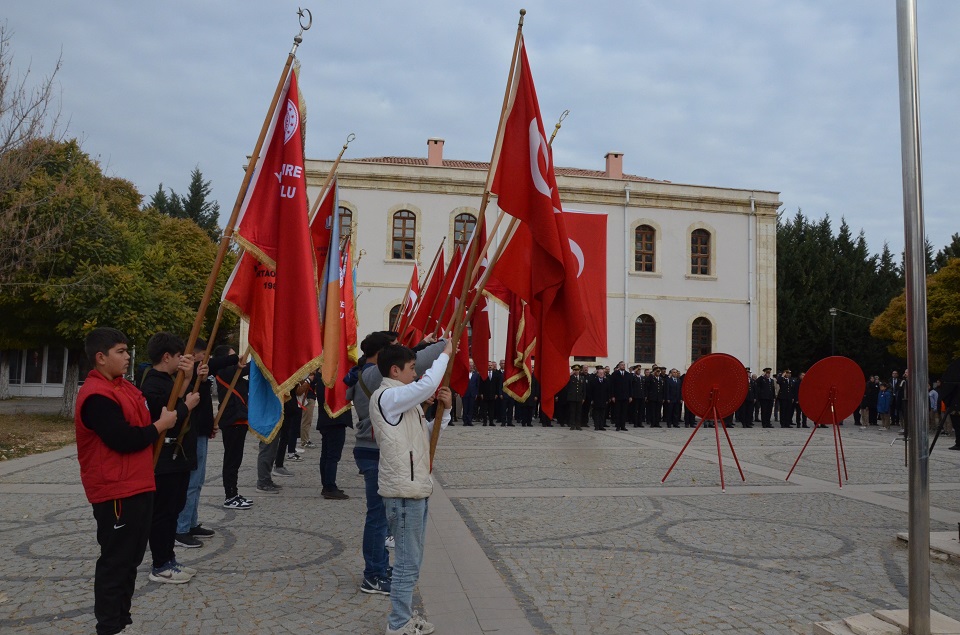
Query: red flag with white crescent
{"points": [[537, 265]]}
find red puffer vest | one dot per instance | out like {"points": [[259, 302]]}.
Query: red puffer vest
{"points": [[105, 473]]}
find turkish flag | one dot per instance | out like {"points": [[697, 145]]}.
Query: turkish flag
{"points": [[275, 283], [449, 293], [428, 299], [521, 341], [537, 265], [409, 302], [335, 396], [587, 233]]}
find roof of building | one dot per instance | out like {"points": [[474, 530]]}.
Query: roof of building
{"points": [[484, 165]]}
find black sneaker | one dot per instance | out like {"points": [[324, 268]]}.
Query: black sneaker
{"points": [[200, 530], [376, 585], [187, 541], [237, 502], [335, 494]]}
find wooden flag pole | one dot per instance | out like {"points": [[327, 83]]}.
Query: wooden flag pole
{"points": [[508, 94], [230, 389], [329, 179], [228, 230], [412, 310], [196, 384], [511, 228]]}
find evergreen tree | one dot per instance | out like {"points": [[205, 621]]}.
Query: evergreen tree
{"points": [[817, 271], [949, 251], [195, 205]]}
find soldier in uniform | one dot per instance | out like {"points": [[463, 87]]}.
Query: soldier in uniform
{"points": [[766, 393], [655, 394], [573, 397]]}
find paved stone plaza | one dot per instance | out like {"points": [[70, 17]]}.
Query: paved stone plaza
{"points": [[534, 531]]}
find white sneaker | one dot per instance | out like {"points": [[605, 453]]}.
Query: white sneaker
{"points": [[170, 574], [293, 456], [425, 627]]}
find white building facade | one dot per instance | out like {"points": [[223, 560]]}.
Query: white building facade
{"points": [[690, 269]]}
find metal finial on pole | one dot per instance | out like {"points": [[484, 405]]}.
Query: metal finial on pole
{"points": [[556, 128], [298, 38]]}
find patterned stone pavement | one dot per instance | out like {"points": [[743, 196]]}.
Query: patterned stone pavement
{"points": [[535, 530]]}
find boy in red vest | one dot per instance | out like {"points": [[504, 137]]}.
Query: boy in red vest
{"points": [[115, 438]]}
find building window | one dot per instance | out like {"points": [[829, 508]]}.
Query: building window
{"points": [[16, 365], [463, 227], [644, 248], [404, 235], [702, 338], [645, 340], [700, 252], [55, 365], [346, 221], [394, 314], [34, 370]]}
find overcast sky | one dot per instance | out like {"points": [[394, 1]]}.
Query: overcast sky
{"points": [[799, 97]]}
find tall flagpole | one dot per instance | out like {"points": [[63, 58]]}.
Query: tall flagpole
{"points": [[433, 266], [918, 553], [330, 175], [228, 230], [501, 246], [467, 279]]}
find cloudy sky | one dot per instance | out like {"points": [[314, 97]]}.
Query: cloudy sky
{"points": [[794, 96]]}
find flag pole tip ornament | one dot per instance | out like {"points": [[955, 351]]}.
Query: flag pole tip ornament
{"points": [[303, 14], [832, 388], [713, 388]]}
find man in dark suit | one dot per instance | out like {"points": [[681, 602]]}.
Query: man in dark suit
{"points": [[786, 396], [672, 396], [895, 391], [655, 393], [470, 396], [491, 389], [598, 392], [798, 411], [766, 393], [636, 411], [620, 395]]}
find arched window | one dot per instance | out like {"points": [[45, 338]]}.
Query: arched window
{"points": [[644, 248], [645, 340], [700, 252], [394, 314], [346, 221], [463, 227], [701, 338], [404, 235]]}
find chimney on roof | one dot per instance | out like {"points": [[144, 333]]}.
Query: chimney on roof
{"points": [[614, 165], [435, 152]]}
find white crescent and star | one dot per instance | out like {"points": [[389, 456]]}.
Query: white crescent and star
{"points": [[578, 254], [537, 145]]}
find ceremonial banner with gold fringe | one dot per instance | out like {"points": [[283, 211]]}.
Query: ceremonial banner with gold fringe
{"points": [[335, 397], [275, 282]]}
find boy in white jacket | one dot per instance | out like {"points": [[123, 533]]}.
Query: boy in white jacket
{"points": [[404, 481]]}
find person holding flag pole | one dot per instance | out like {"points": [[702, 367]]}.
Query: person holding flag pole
{"points": [[534, 261], [304, 15]]}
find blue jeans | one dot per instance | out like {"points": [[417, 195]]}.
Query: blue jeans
{"points": [[188, 518], [375, 556], [407, 518]]}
